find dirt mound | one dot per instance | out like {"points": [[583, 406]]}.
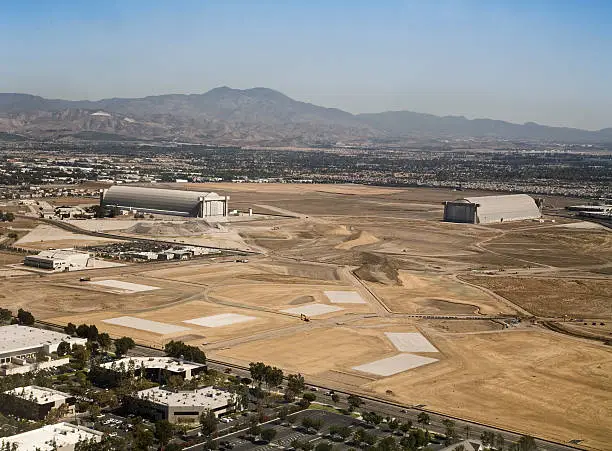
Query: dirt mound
{"points": [[377, 268], [302, 300], [190, 228]]}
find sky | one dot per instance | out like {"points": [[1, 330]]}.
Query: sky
{"points": [[547, 61]]}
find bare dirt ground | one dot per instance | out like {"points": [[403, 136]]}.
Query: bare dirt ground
{"points": [[390, 246]]}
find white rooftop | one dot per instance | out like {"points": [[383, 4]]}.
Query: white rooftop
{"points": [[17, 338], [54, 436], [169, 363], [39, 395], [59, 254], [207, 397]]}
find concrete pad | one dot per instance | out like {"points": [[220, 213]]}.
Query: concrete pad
{"points": [[395, 364], [410, 342], [344, 297], [123, 287], [312, 309], [223, 319], [145, 324]]}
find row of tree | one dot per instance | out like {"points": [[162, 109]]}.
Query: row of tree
{"points": [[101, 339], [180, 350]]}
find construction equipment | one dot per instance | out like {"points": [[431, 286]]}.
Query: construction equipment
{"points": [[304, 318]]}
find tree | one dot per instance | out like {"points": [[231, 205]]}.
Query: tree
{"points": [[63, 348], [104, 340], [258, 372], [335, 398], [354, 401], [525, 443], [175, 382], [393, 424], [26, 318], [143, 438], [273, 377], [372, 418], [80, 355], [406, 426], [163, 431], [499, 442], [295, 383], [41, 356], [268, 434], [178, 349], [487, 438], [450, 432], [310, 397], [423, 418], [70, 329], [92, 333], [5, 315], [254, 428], [324, 446], [82, 330], [208, 422], [123, 345], [388, 444]]}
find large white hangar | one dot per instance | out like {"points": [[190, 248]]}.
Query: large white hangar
{"points": [[173, 202], [492, 209]]}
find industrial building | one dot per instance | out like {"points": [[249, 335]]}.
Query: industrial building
{"points": [[54, 437], [181, 406], [58, 260], [164, 201], [19, 346], [492, 209], [156, 369], [33, 402]]}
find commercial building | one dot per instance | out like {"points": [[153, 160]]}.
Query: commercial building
{"points": [[492, 209], [181, 406], [34, 403], [156, 369], [19, 346], [165, 201], [54, 437], [59, 260]]}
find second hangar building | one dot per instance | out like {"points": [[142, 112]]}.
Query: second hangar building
{"points": [[492, 209], [172, 202]]}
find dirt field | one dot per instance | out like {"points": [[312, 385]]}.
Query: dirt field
{"points": [[589, 298], [535, 382]]}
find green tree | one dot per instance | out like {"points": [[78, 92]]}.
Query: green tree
{"points": [[81, 355], [70, 329], [163, 431], [525, 443], [372, 418], [487, 438], [208, 422], [258, 372], [388, 444], [63, 348], [324, 446], [143, 438], [104, 340], [450, 432], [268, 434], [26, 318], [295, 383], [6, 316], [82, 330], [354, 402], [406, 426], [335, 398], [310, 397], [499, 442], [273, 377], [178, 349], [123, 345], [423, 418]]}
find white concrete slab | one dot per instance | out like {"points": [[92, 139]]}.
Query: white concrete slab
{"points": [[344, 297], [393, 365], [410, 342], [223, 319], [312, 309], [123, 287], [145, 324]]}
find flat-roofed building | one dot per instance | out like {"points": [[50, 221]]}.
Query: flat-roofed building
{"points": [[58, 260], [19, 346], [34, 403], [54, 437], [171, 202], [156, 369], [160, 403]]}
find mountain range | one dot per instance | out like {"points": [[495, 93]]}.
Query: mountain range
{"points": [[257, 116]]}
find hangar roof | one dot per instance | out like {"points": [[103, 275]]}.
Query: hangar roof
{"points": [[507, 207], [156, 199]]}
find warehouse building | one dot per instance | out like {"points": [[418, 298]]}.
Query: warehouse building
{"points": [[54, 437], [181, 406], [34, 403], [19, 346], [59, 260], [156, 369], [165, 201], [492, 209]]}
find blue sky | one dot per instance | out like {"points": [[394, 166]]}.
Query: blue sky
{"points": [[548, 61]]}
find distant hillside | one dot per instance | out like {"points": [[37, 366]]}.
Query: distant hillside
{"points": [[252, 116]]}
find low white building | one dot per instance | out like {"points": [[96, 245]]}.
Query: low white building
{"points": [[60, 437], [35, 402], [19, 346], [182, 406], [157, 368], [58, 260]]}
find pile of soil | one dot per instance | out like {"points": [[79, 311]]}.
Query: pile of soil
{"points": [[189, 228]]}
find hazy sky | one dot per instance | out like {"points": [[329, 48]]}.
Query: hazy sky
{"points": [[548, 61]]}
